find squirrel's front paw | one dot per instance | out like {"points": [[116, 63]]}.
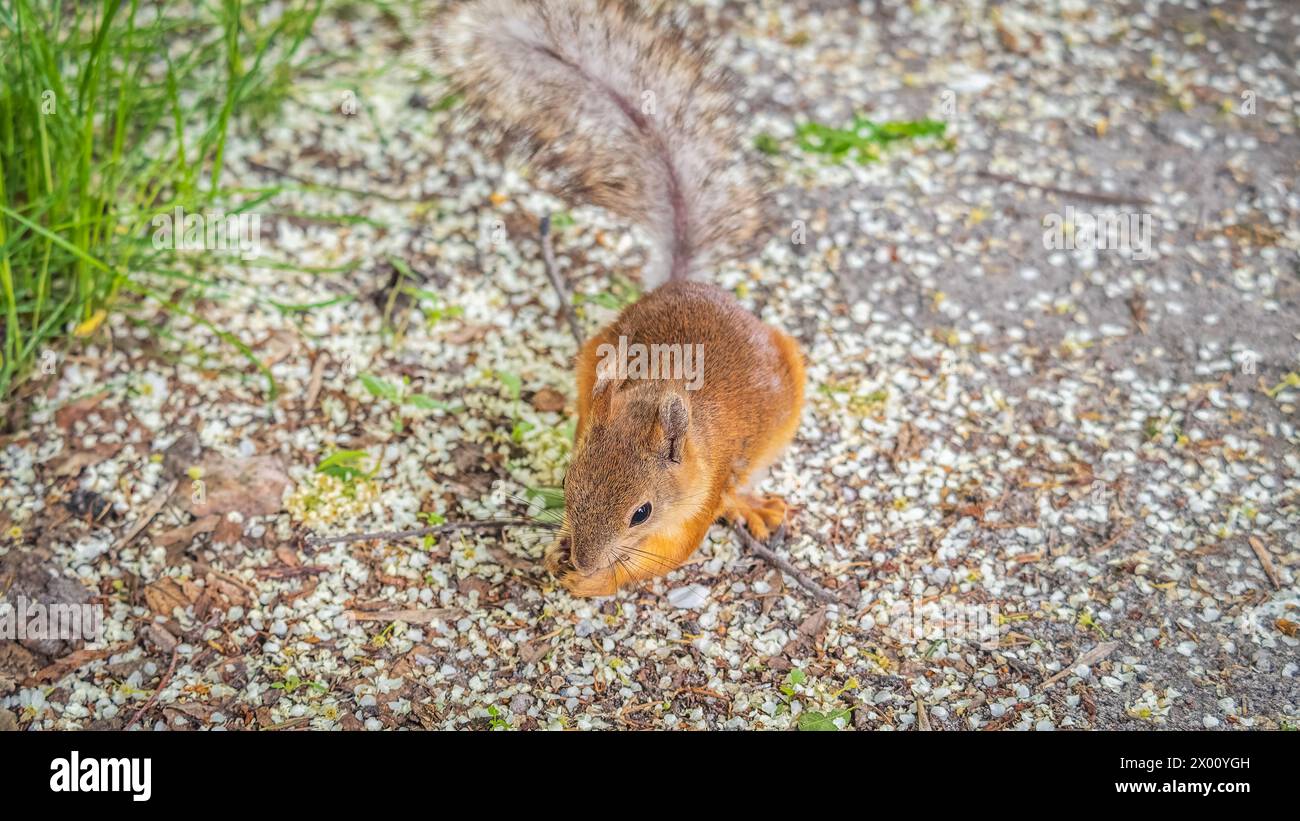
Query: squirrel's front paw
{"points": [[560, 565], [557, 558], [760, 514]]}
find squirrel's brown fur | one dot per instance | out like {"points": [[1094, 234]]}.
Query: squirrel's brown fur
{"points": [[722, 436], [568, 79]]}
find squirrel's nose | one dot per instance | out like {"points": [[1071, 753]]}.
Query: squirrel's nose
{"points": [[584, 562], [587, 557]]}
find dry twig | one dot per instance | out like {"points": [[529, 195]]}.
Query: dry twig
{"points": [[162, 682], [1088, 196], [773, 558], [553, 274]]}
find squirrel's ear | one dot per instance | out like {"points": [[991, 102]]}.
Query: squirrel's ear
{"points": [[604, 378], [606, 381], [674, 418]]}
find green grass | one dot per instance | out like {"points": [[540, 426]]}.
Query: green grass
{"points": [[862, 140], [102, 127]]}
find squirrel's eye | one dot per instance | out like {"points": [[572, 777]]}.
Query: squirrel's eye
{"points": [[641, 514]]}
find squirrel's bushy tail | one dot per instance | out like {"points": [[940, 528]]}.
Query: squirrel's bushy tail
{"points": [[622, 108]]}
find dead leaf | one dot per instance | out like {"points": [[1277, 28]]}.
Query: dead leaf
{"points": [[186, 534], [201, 713], [72, 662], [426, 714], [531, 652], [252, 486], [1290, 628], [1253, 234], [1137, 306], [175, 541], [474, 584], [314, 383], [73, 412], [1091, 657], [16, 662], [90, 325], [277, 346], [507, 559], [166, 594], [228, 531], [158, 638], [182, 455], [235, 594], [281, 572], [908, 445], [418, 615], [75, 463], [1008, 38], [814, 625], [468, 332], [146, 516], [548, 399], [308, 587]]}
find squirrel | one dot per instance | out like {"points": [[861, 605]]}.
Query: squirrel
{"points": [[627, 113]]}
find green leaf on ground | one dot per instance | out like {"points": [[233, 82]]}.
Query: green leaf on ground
{"points": [[347, 465], [823, 722], [379, 388], [864, 138]]}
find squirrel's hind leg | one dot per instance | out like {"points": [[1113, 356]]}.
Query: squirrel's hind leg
{"points": [[762, 513], [741, 504]]}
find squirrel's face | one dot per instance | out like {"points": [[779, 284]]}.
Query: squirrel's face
{"points": [[627, 480]]}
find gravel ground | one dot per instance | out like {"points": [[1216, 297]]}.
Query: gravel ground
{"points": [[1077, 465]]}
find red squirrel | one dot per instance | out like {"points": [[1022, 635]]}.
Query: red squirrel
{"points": [[629, 114]]}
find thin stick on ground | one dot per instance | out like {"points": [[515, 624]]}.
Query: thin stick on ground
{"points": [[1087, 196], [162, 682], [773, 558], [553, 274], [488, 524]]}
